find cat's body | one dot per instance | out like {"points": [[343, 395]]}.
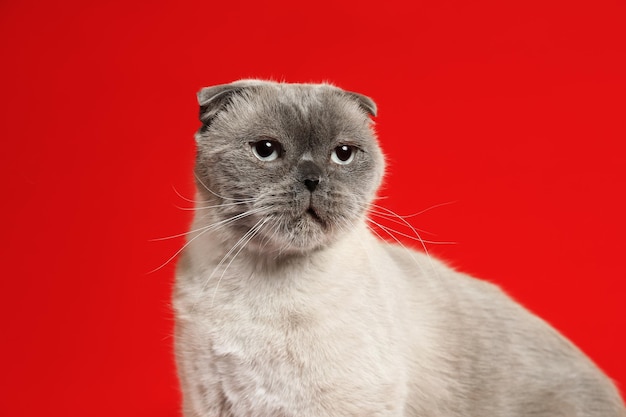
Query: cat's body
{"points": [[294, 308]]}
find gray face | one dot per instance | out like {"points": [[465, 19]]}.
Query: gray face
{"points": [[293, 165]]}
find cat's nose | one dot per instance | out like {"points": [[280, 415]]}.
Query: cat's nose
{"points": [[311, 184], [310, 174]]}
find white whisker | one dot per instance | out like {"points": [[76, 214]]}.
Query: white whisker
{"points": [[212, 226], [418, 239], [406, 223], [221, 262], [392, 219], [408, 251], [391, 213], [247, 201], [182, 196], [251, 234], [179, 251], [211, 191]]}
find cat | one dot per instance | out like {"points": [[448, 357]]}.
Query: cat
{"points": [[287, 304]]}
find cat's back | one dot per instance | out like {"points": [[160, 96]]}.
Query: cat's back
{"points": [[502, 359]]}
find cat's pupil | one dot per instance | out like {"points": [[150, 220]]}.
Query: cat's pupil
{"points": [[265, 148], [343, 152]]}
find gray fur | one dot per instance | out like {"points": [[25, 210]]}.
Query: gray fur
{"points": [[287, 305]]}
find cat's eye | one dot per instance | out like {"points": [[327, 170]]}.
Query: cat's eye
{"points": [[343, 154], [266, 150]]}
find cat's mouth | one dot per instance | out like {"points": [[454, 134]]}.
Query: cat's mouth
{"points": [[310, 212]]}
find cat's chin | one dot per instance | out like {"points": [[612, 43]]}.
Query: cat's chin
{"points": [[278, 251], [314, 216], [307, 233]]}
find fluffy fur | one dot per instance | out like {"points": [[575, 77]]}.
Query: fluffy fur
{"points": [[286, 304]]}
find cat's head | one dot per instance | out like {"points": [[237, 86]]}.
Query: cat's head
{"points": [[286, 167]]}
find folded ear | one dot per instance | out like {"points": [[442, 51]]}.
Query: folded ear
{"points": [[213, 99], [365, 102]]}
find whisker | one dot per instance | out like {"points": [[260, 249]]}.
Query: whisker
{"points": [[202, 231], [392, 219], [255, 229], [202, 201], [409, 225], [179, 251], [371, 229], [268, 238], [185, 208], [419, 212], [418, 239], [182, 196], [211, 191], [212, 226], [408, 251], [221, 262], [247, 201]]}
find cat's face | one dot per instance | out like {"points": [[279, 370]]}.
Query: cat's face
{"points": [[286, 167]]}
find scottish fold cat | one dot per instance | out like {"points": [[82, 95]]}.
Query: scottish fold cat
{"points": [[288, 305]]}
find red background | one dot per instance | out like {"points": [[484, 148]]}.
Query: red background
{"points": [[512, 111]]}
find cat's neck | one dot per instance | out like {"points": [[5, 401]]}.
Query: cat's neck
{"points": [[212, 249]]}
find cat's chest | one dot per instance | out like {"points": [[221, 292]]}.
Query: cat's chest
{"points": [[283, 321], [256, 323], [289, 347], [259, 342], [273, 341]]}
